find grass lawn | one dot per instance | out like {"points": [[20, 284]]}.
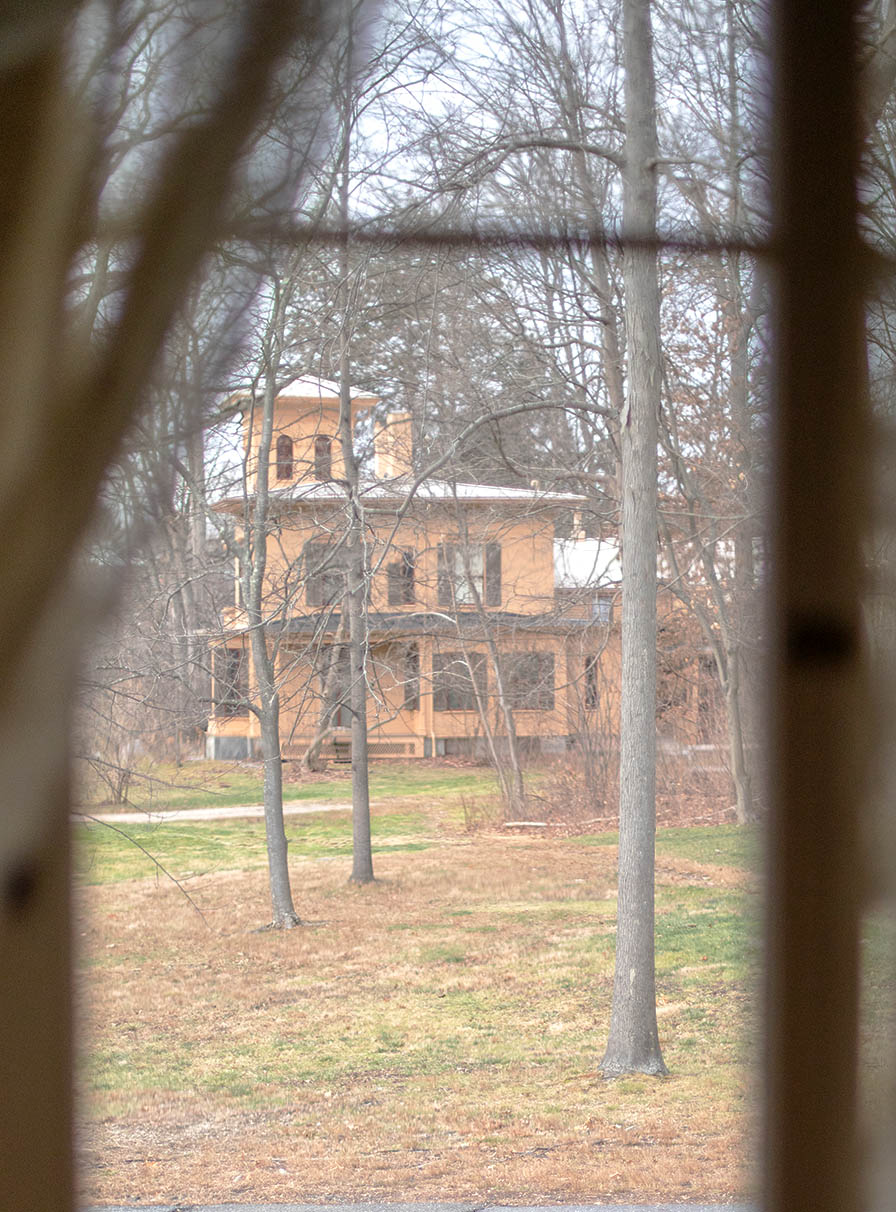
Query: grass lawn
{"points": [[433, 1036], [161, 786], [188, 852]]}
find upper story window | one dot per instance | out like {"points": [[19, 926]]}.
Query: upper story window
{"points": [[602, 608], [400, 579], [284, 457], [325, 568], [323, 457], [468, 571]]}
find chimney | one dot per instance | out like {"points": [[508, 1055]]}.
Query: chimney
{"points": [[393, 447]]}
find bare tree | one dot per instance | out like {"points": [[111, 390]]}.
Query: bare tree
{"points": [[355, 608], [255, 595], [711, 429], [633, 1043]]}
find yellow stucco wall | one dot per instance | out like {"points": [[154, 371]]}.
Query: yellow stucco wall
{"points": [[526, 544], [391, 724], [524, 532], [302, 420]]}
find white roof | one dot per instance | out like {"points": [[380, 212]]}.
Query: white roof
{"points": [[428, 490], [310, 387], [586, 563], [396, 491]]}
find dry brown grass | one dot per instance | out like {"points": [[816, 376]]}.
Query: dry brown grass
{"points": [[433, 1036]]}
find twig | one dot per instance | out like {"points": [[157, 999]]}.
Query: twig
{"points": [[152, 858]]}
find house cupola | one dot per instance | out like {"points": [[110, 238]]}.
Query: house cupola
{"points": [[306, 443]]}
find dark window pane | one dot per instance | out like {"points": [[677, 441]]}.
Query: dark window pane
{"points": [[323, 457], [492, 574], [325, 569], [446, 559], [400, 580], [411, 675], [528, 680], [452, 685], [231, 682], [465, 572], [591, 696], [284, 457]]}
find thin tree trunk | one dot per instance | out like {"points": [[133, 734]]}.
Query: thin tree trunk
{"points": [[362, 850], [742, 688], [743, 698], [510, 772], [311, 759], [284, 915], [355, 598], [633, 1043], [514, 784], [311, 756], [745, 800], [490, 739]]}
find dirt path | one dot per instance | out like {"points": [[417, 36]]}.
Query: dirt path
{"points": [[181, 815]]}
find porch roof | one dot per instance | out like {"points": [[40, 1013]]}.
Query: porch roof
{"points": [[386, 624]]}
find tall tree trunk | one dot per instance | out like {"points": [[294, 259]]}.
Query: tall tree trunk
{"points": [[362, 850], [284, 915], [742, 688], [633, 1043], [739, 756], [355, 598]]}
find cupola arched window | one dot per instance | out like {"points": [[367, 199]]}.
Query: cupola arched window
{"points": [[323, 457], [284, 457]]}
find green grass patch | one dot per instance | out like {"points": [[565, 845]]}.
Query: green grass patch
{"points": [[721, 845], [447, 785], [446, 953], [163, 786], [106, 854], [717, 931], [611, 838], [160, 786], [463, 998]]}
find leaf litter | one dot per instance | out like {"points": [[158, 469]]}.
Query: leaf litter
{"points": [[433, 1036]]}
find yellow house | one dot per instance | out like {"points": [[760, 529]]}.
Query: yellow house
{"points": [[463, 620]]}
